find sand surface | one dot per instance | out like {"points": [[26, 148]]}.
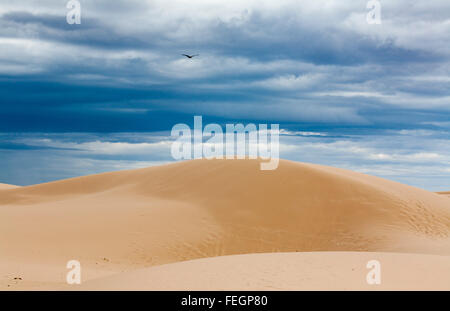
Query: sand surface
{"points": [[118, 222], [286, 271]]}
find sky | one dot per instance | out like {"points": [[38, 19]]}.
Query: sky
{"points": [[103, 95]]}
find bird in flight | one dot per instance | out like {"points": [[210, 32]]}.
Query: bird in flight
{"points": [[190, 56]]}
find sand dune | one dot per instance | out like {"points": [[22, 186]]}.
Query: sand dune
{"points": [[127, 220], [445, 193], [6, 187], [286, 271]]}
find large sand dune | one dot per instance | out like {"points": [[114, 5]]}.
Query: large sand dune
{"points": [[126, 220]]}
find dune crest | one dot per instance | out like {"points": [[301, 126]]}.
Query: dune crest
{"points": [[132, 219]]}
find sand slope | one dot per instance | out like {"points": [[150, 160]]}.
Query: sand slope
{"points": [[286, 271], [121, 221]]}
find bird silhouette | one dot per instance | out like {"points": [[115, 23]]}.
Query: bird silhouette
{"points": [[190, 56]]}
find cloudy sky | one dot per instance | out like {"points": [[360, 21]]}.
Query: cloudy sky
{"points": [[104, 95]]}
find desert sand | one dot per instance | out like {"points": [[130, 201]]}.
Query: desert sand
{"points": [[156, 221]]}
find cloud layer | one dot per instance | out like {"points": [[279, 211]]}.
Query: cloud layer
{"points": [[312, 66]]}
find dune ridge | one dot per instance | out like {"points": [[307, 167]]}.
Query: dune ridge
{"points": [[127, 220]]}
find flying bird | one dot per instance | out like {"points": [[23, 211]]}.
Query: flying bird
{"points": [[190, 56]]}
